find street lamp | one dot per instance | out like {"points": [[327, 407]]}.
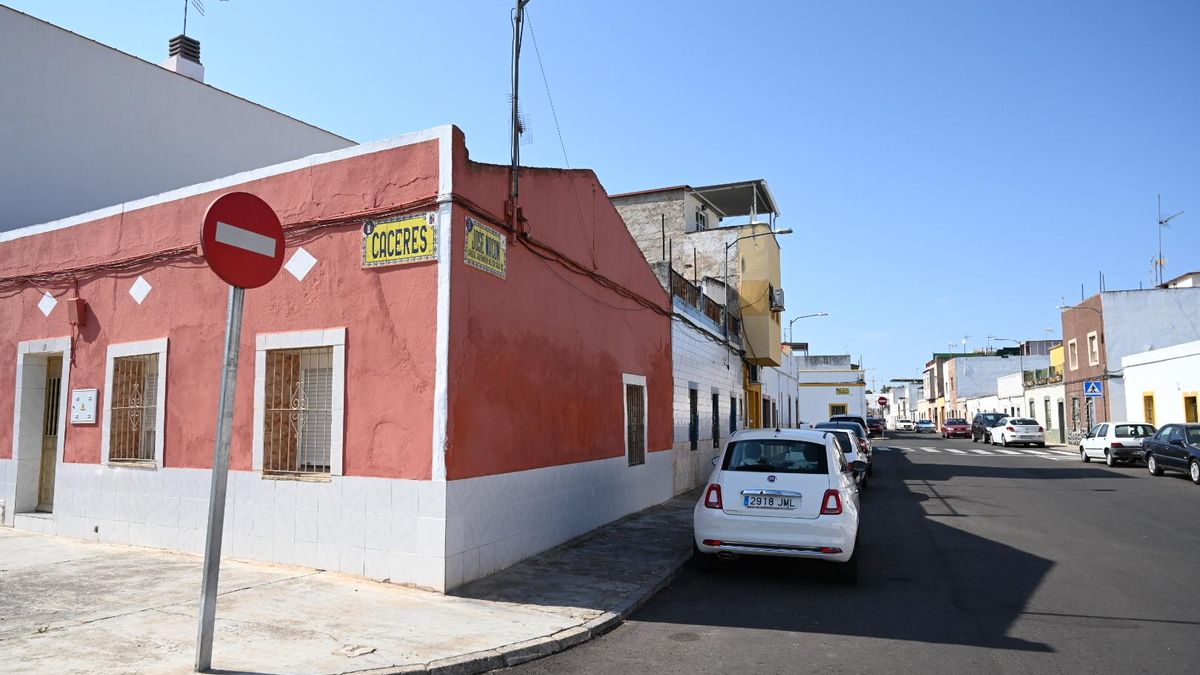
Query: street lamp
{"points": [[725, 307], [804, 316]]}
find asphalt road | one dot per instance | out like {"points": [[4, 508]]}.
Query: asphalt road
{"points": [[980, 563]]}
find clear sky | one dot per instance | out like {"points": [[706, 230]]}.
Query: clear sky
{"points": [[950, 167]]}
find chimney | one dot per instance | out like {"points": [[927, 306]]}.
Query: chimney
{"points": [[184, 57]]}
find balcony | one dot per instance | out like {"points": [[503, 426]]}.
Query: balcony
{"points": [[691, 295], [1043, 376]]}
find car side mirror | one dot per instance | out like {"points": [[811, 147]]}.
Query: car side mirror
{"points": [[714, 460], [858, 465]]}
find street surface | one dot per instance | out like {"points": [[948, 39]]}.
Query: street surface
{"points": [[974, 560]]}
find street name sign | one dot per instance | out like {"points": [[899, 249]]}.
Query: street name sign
{"points": [[1093, 388]]}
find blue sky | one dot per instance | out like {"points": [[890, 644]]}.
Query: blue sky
{"points": [[950, 168]]}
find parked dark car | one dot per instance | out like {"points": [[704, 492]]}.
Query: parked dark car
{"points": [[875, 426], [864, 445], [1176, 447], [852, 418], [955, 427], [982, 423]]}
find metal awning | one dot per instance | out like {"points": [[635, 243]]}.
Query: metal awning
{"points": [[745, 198]]}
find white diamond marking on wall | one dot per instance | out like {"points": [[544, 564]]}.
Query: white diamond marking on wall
{"points": [[140, 289], [47, 304], [301, 264]]}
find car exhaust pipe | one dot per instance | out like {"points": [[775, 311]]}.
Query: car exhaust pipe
{"points": [[726, 555]]}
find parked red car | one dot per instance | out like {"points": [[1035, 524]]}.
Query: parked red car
{"points": [[956, 427]]}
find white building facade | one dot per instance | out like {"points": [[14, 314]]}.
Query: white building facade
{"points": [[1162, 386], [829, 385]]}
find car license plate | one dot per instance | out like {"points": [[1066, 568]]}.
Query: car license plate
{"points": [[769, 502]]}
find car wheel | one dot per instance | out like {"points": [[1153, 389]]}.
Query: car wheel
{"points": [[705, 562], [1084, 456], [1194, 471], [1152, 466], [1004, 441], [1040, 445], [1109, 460]]}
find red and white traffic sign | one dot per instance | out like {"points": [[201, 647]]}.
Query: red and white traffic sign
{"points": [[242, 240], [882, 400]]}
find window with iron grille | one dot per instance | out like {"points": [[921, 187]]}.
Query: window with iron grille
{"points": [[693, 419], [133, 408], [635, 423], [298, 412], [732, 414], [716, 420]]}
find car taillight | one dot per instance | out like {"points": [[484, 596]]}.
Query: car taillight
{"points": [[831, 505], [1010, 428], [712, 497], [1041, 430], [1116, 445]]}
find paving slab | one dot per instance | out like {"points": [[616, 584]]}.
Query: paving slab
{"points": [[69, 606]]}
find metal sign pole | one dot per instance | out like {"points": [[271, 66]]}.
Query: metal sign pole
{"points": [[220, 476]]}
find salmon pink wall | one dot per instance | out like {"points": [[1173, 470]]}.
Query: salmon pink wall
{"points": [[389, 313], [536, 358]]}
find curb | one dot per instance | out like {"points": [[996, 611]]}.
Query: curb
{"points": [[530, 650]]}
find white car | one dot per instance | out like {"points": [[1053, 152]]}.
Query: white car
{"points": [[925, 427], [1115, 442], [904, 425], [1017, 431], [787, 493]]}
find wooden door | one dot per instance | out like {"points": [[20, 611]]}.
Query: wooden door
{"points": [[50, 434]]}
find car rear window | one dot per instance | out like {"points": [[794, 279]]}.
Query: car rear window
{"points": [[991, 418], [1023, 422], [1134, 430], [956, 421], [777, 455], [1193, 434], [849, 426]]}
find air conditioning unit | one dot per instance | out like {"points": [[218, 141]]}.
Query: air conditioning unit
{"points": [[755, 377], [776, 299]]}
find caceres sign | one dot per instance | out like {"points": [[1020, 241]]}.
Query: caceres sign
{"points": [[486, 248], [398, 241]]}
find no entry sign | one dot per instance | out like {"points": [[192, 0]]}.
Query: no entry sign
{"points": [[882, 400], [242, 240]]}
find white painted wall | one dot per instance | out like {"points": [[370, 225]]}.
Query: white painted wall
{"points": [[1169, 373], [701, 362], [84, 126], [1142, 320]]}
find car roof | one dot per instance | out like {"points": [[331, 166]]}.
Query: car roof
{"points": [[812, 435]]}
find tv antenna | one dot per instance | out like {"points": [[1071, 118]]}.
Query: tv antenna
{"points": [[1160, 262], [197, 5]]}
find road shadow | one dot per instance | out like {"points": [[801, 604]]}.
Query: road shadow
{"points": [[920, 579]]}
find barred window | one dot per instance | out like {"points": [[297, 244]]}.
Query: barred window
{"points": [[693, 419], [298, 415], [716, 420], [133, 408], [635, 423]]}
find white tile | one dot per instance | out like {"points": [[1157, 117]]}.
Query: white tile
{"points": [[243, 519], [305, 554], [306, 525], [377, 564], [377, 530], [404, 497], [378, 495], [431, 537], [47, 304], [330, 496], [285, 494], [283, 551], [308, 495], [263, 518], [351, 559], [431, 499], [300, 264], [354, 498], [284, 523], [140, 289], [426, 572], [329, 527], [168, 512], [403, 534], [353, 530], [454, 570], [328, 556], [261, 548]]}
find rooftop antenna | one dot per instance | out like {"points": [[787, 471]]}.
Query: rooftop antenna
{"points": [[1160, 262], [198, 4]]}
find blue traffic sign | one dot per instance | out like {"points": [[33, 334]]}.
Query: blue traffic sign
{"points": [[1093, 388]]}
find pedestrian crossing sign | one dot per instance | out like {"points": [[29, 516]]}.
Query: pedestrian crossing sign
{"points": [[1093, 388]]}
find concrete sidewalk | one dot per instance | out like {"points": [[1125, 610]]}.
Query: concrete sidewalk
{"points": [[68, 606]]}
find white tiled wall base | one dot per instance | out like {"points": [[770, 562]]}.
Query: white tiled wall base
{"points": [[375, 527], [496, 521]]}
